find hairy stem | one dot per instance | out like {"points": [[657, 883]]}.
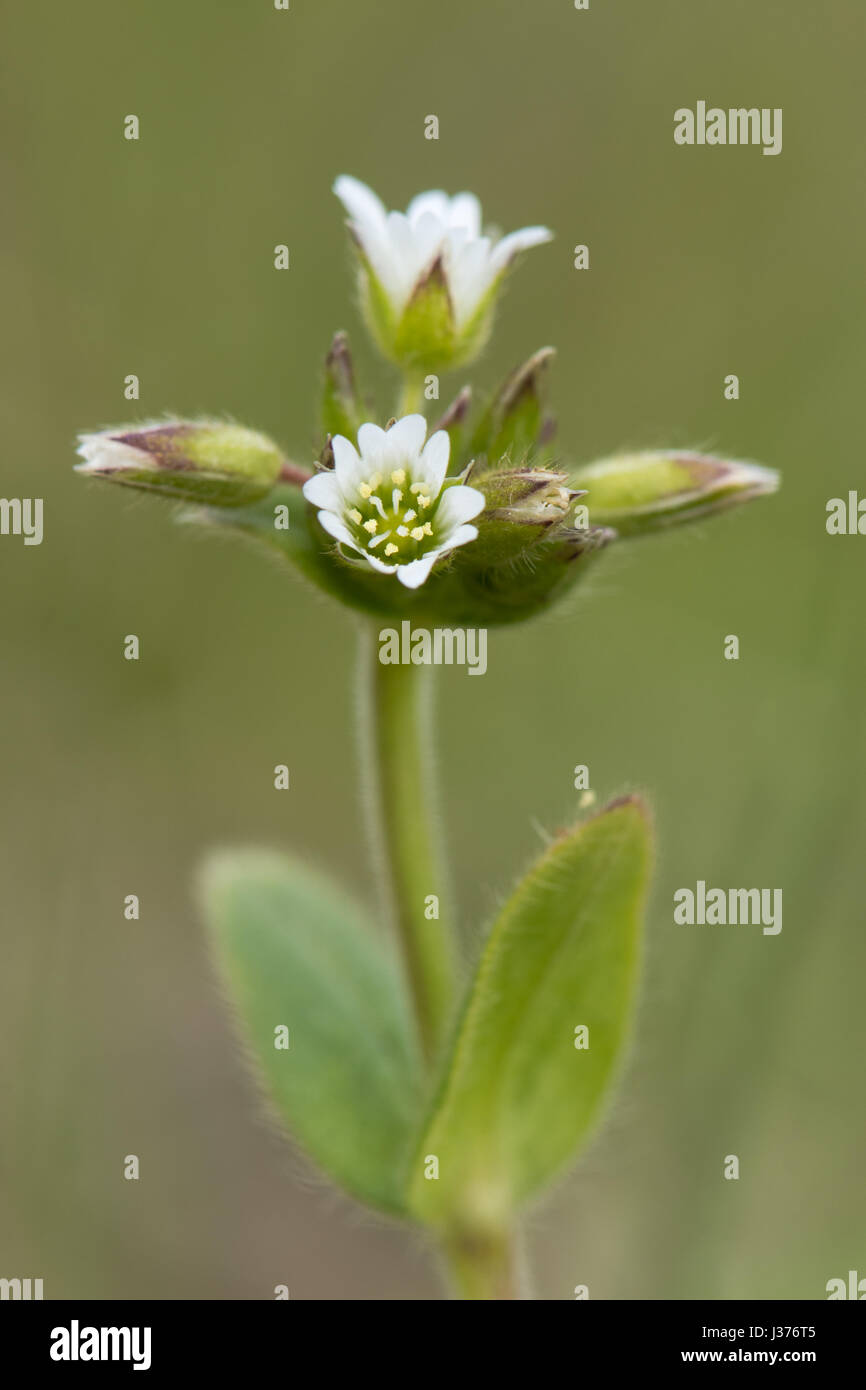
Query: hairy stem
{"points": [[396, 743]]}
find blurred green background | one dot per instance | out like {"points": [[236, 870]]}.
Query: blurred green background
{"points": [[156, 258]]}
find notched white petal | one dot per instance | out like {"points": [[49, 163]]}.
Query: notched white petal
{"points": [[433, 464], [413, 575], [371, 442], [405, 439], [336, 528], [459, 504], [510, 245], [323, 491], [378, 564], [360, 202], [347, 465], [462, 536]]}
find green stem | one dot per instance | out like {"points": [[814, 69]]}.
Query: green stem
{"points": [[396, 738], [412, 394], [396, 742], [486, 1268]]}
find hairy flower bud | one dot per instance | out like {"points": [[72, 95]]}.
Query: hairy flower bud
{"points": [[210, 462], [639, 493], [522, 506]]}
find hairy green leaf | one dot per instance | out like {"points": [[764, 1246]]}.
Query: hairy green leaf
{"points": [[518, 1096], [294, 953]]}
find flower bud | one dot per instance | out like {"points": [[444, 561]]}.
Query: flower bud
{"points": [[210, 462], [639, 493], [522, 506]]}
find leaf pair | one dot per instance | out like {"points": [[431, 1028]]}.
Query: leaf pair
{"points": [[516, 1096]]}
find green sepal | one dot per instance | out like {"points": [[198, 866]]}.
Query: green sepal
{"points": [[514, 423], [342, 409], [425, 335], [454, 423]]}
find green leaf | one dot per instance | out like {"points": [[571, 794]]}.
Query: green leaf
{"points": [[518, 1098], [295, 952]]}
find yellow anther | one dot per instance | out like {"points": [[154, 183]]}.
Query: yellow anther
{"points": [[375, 480], [356, 516], [365, 490], [417, 533], [422, 500], [391, 548], [428, 529], [372, 526], [398, 476]]}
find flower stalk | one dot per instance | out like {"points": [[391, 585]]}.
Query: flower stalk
{"points": [[396, 744]]}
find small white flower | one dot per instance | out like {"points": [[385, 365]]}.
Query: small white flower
{"points": [[389, 501], [401, 252]]}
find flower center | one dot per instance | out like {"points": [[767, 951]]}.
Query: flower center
{"points": [[393, 517]]}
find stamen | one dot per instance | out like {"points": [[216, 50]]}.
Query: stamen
{"points": [[391, 548], [365, 490], [417, 533], [402, 531], [372, 526], [398, 476], [428, 529], [423, 501], [356, 516]]}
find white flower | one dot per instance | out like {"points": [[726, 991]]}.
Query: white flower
{"points": [[436, 247], [389, 500]]}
